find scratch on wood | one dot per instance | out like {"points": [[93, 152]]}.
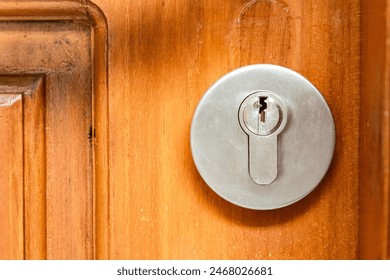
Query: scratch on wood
{"points": [[244, 9], [251, 3]]}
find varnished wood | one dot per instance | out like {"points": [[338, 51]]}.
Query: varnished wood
{"points": [[34, 171], [60, 150], [69, 167], [142, 197], [29, 212], [11, 176], [101, 146], [44, 10], [374, 138], [163, 57]]}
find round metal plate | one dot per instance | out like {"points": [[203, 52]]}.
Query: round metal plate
{"points": [[304, 147]]}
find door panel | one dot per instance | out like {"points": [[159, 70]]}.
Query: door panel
{"points": [[118, 84], [47, 176], [28, 168], [11, 176]]}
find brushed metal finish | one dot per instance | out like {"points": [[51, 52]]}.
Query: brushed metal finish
{"points": [[220, 146], [263, 158]]}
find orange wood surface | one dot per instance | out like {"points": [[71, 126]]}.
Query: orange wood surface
{"points": [[374, 227], [35, 172], [134, 72], [11, 176], [163, 55], [52, 199]]}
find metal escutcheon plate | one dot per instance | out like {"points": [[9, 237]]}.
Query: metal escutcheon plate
{"points": [[305, 146]]}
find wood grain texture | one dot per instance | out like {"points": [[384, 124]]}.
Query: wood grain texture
{"points": [[163, 56], [35, 170], [11, 176], [141, 196], [374, 227], [69, 167], [31, 171], [59, 41], [43, 10]]}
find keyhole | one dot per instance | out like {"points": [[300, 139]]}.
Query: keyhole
{"points": [[261, 113], [263, 107]]}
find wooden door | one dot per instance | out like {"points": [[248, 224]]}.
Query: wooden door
{"points": [[96, 102]]}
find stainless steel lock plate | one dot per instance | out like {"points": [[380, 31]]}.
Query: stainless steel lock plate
{"points": [[262, 137]]}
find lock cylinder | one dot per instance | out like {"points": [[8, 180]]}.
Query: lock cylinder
{"points": [[262, 116]]}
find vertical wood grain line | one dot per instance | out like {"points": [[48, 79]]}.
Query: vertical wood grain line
{"points": [[386, 137], [101, 192], [34, 172], [11, 178], [374, 138], [24, 180]]}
